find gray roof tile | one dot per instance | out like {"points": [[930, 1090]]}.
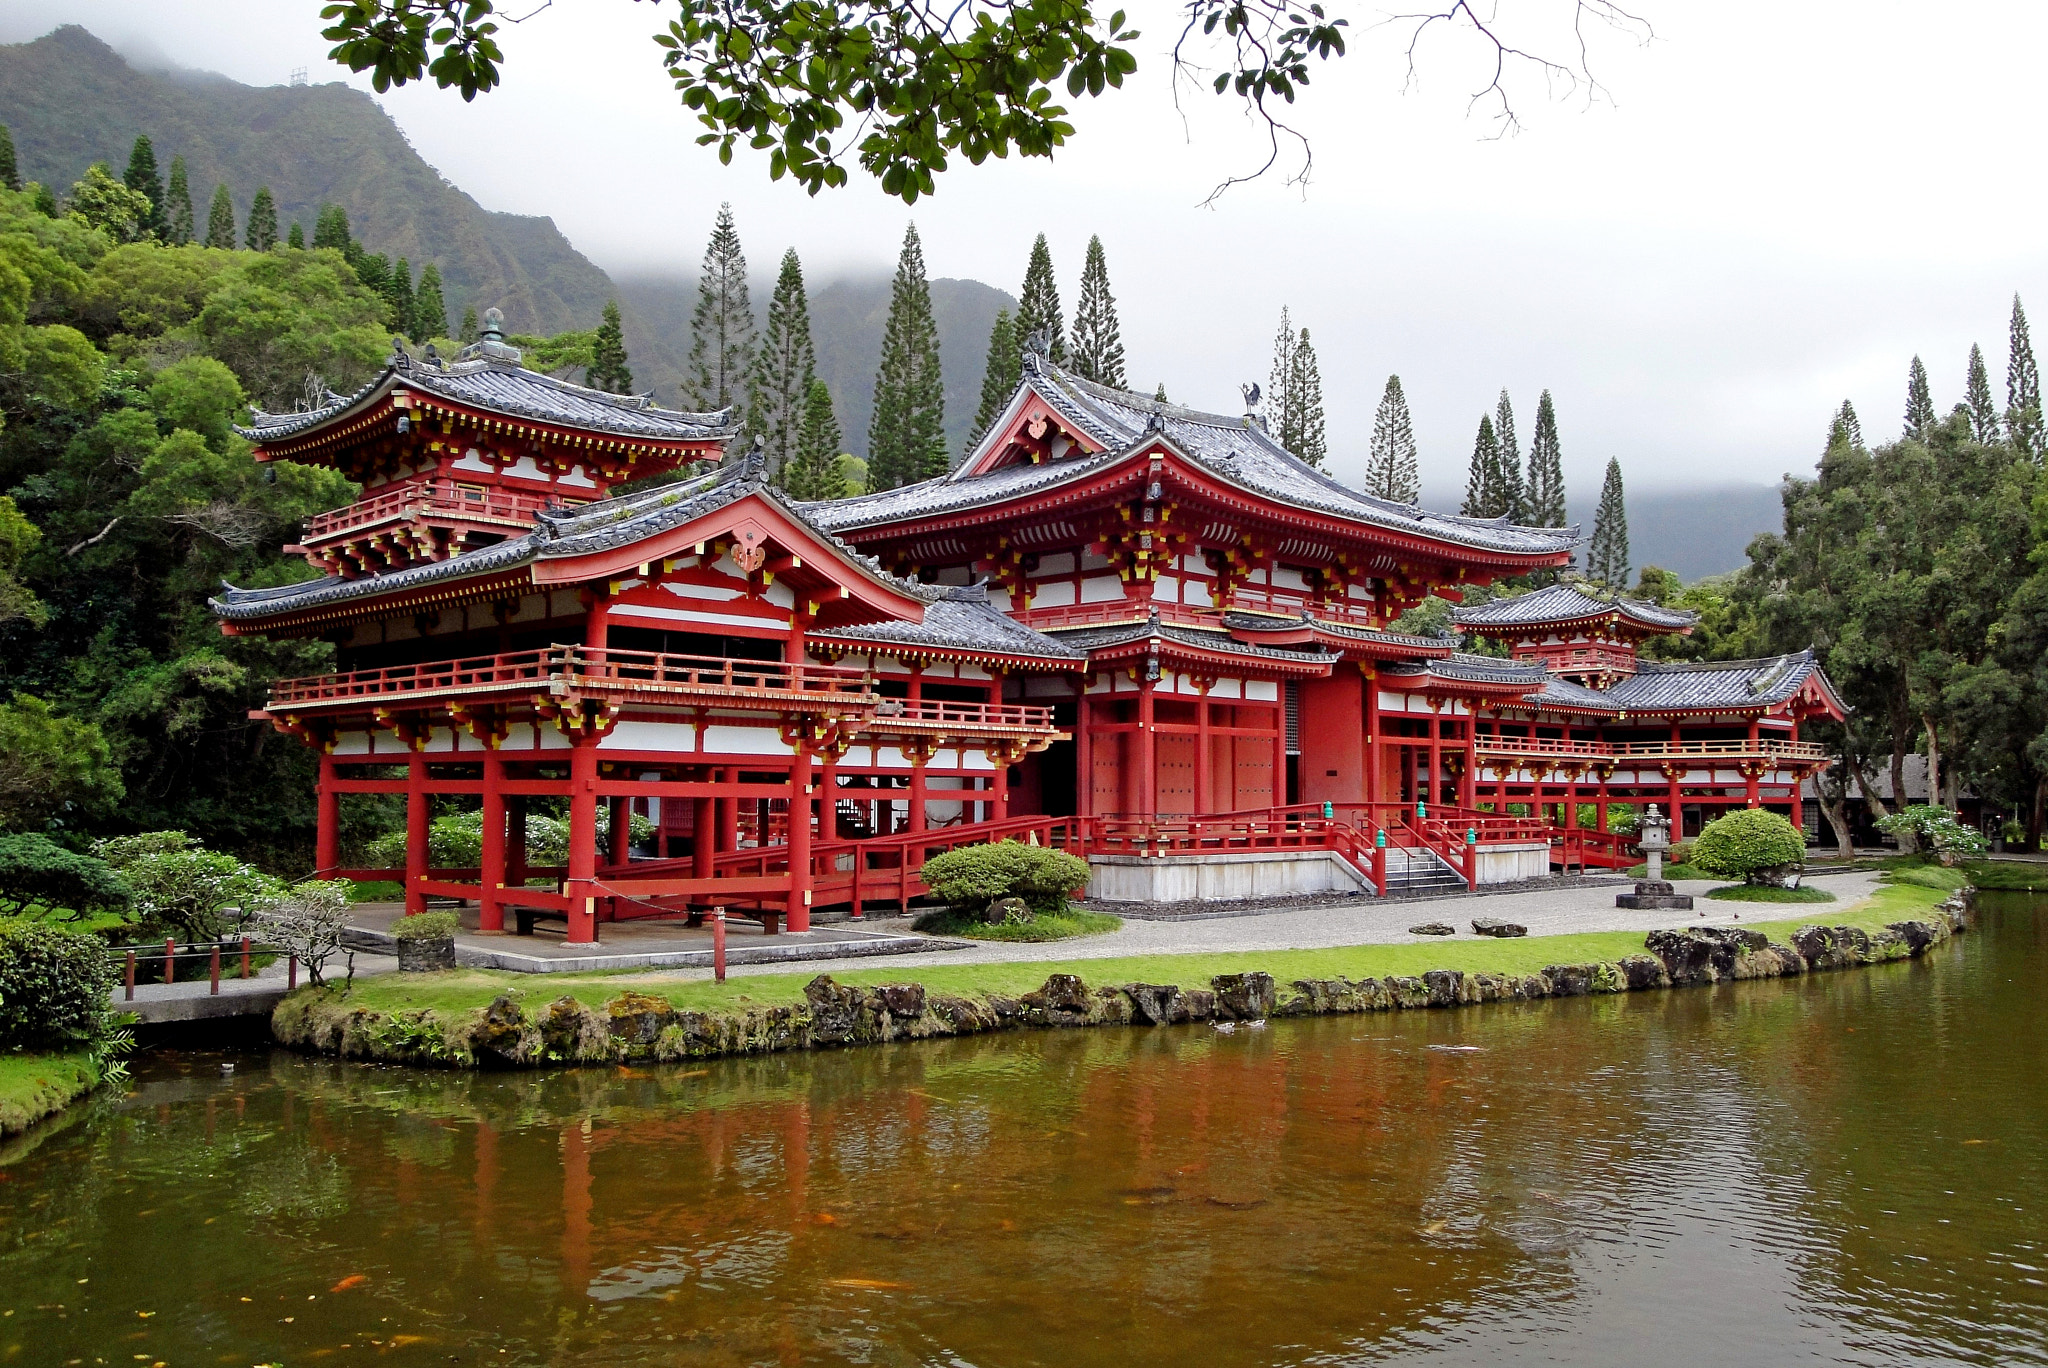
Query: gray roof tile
{"points": [[1234, 449], [500, 385], [963, 620], [1569, 603]]}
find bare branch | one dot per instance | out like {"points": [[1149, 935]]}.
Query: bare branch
{"points": [[96, 539]]}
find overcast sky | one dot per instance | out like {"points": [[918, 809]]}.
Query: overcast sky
{"points": [[1772, 208]]}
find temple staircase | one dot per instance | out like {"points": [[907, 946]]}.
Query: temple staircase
{"points": [[1420, 872]]}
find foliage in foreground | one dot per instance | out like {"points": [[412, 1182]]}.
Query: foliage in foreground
{"points": [[1936, 829], [1048, 926], [1770, 893], [975, 876], [36, 871], [1751, 844], [54, 986]]}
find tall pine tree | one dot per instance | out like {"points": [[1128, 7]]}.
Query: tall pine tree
{"points": [[1392, 470], [785, 367], [430, 311], [296, 237], [1098, 340], [1305, 436], [814, 473], [608, 369], [330, 229], [262, 234], [179, 209], [398, 298], [1038, 306], [1513, 495], [906, 436], [469, 332], [1545, 491], [141, 177], [722, 327], [1919, 403], [2022, 387], [220, 220], [1845, 429], [1607, 552], [1977, 398], [1280, 379], [1483, 494], [1001, 373], [10, 171]]}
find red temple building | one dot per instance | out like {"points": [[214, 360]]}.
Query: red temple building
{"points": [[1140, 632]]}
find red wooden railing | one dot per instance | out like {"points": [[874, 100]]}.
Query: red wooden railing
{"points": [[437, 497], [942, 715], [581, 667], [1490, 744]]}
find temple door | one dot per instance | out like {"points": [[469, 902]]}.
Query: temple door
{"points": [[1175, 756], [1254, 772], [1107, 780]]}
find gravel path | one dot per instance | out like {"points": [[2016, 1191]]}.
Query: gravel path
{"points": [[1546, 912]]}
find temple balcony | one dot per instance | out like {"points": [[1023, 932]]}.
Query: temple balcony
{"points": [[559, 680], [419, 520], [560, 673], [1613, 662], [1651, 752]]}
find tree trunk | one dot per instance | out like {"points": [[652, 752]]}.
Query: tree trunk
{"points": [[1933, 763], [1909, 844], [1835, 807], [2035, 812]]}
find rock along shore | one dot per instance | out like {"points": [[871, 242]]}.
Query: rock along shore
{"points": [[638, 1026]]}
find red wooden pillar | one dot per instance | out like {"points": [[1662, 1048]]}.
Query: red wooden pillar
{"points": [[327, 841], [597, 619], [515, 841], [490, 903], [1469, 781], [1436, 756], [800, 883], [1204, 765], [581, 886], [418, 805], [828, 796], [727, 836], [1084, 753], [1148, 771], [1798, 786], [1750, 796], [1371, 691], [919, 758], [999, 788]]}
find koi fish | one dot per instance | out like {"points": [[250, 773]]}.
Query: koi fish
{"points": [[868, 1284], [352, 1280]]}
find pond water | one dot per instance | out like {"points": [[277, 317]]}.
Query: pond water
{"points": [[1850, 1168]]}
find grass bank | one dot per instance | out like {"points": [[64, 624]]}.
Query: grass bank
{"points": [[33, 1086], [464, 990]]}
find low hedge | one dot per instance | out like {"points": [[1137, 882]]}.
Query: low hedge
{"points": [[426, 926], [54, 986], [1748, 844], [976, 875]]}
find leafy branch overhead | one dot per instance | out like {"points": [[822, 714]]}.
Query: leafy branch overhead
{"points": [[902, 88]]}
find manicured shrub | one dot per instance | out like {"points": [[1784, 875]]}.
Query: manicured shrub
{"points": [[180, 886], [426, 926], [1750, 844], [310, 920], [54, 986], [36, 870], [977, 875], [1936, 829]]}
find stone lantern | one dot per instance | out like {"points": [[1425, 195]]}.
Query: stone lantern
{"points": [[1653, 837]]}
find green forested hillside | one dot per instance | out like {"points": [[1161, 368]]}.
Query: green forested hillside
{"points": [[70, 100]]}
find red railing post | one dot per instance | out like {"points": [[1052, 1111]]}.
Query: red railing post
{"points": [[245, 957], [170, 961], [131, 976], [213, 970], [718, 943], [291, 974]]}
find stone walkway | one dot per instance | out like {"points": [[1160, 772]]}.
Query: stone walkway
{"points": [[1366, 921], [193, 999]]}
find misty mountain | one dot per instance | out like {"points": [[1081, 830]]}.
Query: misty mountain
{"points": [[70, 100]]}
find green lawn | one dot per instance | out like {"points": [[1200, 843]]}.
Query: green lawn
{"points": [[1050, 926], [463, 989], [34, 1086], [1759, 893]]}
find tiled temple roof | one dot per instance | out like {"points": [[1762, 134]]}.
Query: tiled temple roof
{"points": [[560, 533], [1716, 683], [1561, 603], [1089, 639], [1236, 450], [1462, 667], [489, 377], [963, 620], [1267, 622]]}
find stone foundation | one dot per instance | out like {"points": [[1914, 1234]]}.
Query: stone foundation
{"points": [[1225, 876], [636, 1026]]}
